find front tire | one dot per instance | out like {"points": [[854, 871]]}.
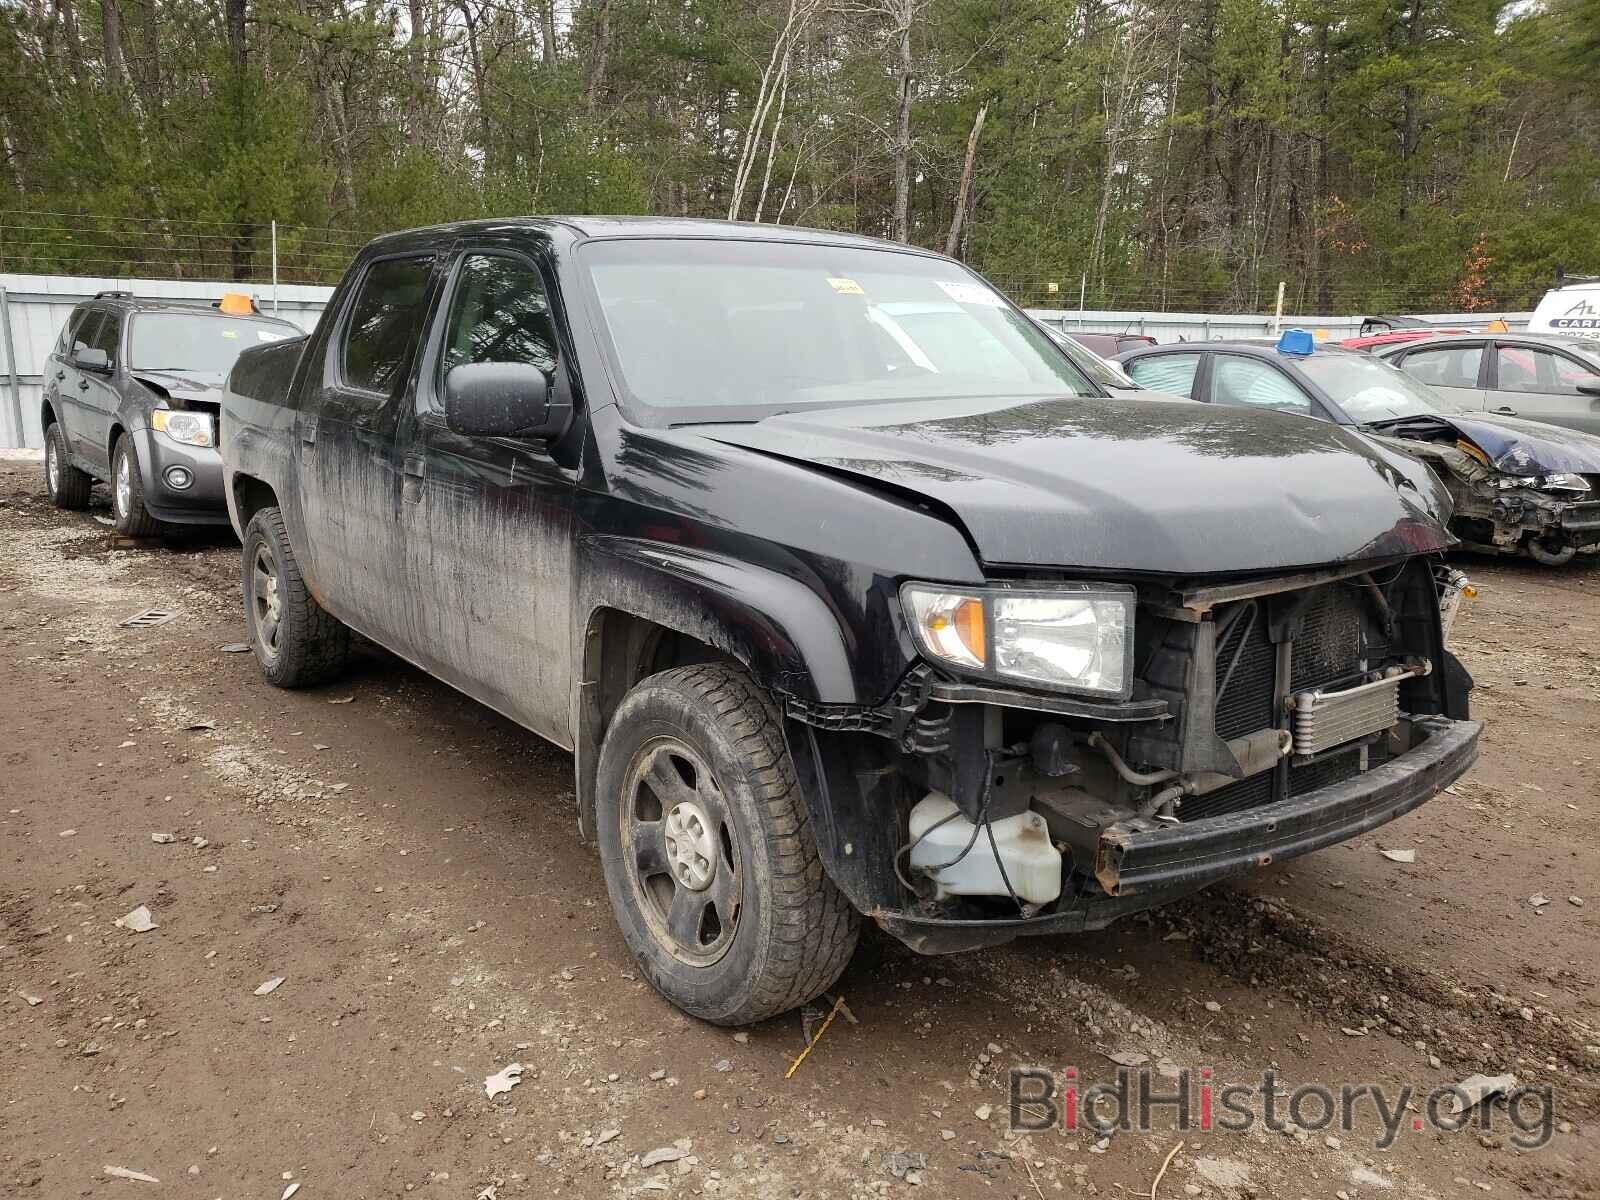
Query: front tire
{"points": [[297, 642], [707, 850], [128, 512], [68, 487]]}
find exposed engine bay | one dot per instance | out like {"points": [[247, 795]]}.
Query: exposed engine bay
{"points": [[1247, 695]]}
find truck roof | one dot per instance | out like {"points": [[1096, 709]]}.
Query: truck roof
{"points": [[598, 227]]}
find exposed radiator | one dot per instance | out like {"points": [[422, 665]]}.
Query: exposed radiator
{"points": [[1325, 719]]}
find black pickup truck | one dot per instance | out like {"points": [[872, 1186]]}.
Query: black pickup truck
{"points": [[848, 592]]}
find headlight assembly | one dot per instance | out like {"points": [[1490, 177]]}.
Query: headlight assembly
{"points": [[1070, 637], [1564, 481], [181, 425]]}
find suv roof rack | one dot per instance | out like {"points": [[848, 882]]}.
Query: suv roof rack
{"points": [[1565, 280], [113, 294]]}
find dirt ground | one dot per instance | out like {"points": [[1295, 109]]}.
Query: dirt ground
{"points": [[408, 863]]}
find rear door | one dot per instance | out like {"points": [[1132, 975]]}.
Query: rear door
{"points": [[1457, 372], [1540, 383], [1242, 382], [61, 377], [488, 520], [97, 391], [350, 455]]}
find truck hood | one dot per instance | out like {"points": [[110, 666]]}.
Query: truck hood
{"points": [[204, 386], [1168, 487], [1521, 447]]}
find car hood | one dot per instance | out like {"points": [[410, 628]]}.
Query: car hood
{"points": [[1170, 487], [1520, 447], [184, 385]]}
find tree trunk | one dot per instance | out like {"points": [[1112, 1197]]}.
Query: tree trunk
{"points": [[964, 192], [599, 52], [416, 52], [1411, 117], [238, 60], [477, 75], [69, 30], [905, 13], [111, 42], [547, 32]]}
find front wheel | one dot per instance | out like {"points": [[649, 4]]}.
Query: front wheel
{"points": [[297, 642], [707, 849], [128, 512]]}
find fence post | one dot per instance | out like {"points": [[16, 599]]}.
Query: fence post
{"points": [[11, 369], [274, 268], [1277, 319]]}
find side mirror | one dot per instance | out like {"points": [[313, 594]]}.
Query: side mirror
{"points": [[499, 400], [89, 358]]}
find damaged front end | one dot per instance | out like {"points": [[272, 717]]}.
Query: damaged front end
{"points": [[1261, 720], [1508, 498]]}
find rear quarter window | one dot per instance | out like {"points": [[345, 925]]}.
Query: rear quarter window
{"points": [[385, 323], [1167, 373]]}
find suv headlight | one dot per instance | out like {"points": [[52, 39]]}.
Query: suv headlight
{"points": [[181, 425], [1070, 638]]}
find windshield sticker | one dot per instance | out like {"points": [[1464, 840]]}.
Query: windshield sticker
{"points": [[845, 287], [971, 293], [230, 333]]}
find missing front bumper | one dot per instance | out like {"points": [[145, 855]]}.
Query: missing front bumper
{"points": [[1195, 853]]}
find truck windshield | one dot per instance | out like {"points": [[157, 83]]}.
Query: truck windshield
{"points": [[1369, 390], [197, 342], [716, 330]]}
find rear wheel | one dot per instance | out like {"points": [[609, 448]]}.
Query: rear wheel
{"points": [[297, 642], [68, 486], [706, 843], [128, 512]]}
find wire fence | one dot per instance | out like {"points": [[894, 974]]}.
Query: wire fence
{"points": [[60, 243], [67, 243]]}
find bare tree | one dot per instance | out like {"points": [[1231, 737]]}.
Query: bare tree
{"points": [[964, 192]]}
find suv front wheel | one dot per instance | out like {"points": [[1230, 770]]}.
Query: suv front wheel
{"points": [[707, 850], [128, 512]]}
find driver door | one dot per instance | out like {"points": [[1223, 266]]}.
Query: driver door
{"points": [[488, 520]]}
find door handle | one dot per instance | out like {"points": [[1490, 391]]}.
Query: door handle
{"points": [[83, 385], [308, 430], [415, 467], [1504, 411], [61, 375]]}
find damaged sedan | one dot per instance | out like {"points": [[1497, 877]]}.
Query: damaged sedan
{"points": [[1518, 486], [842, 611]]}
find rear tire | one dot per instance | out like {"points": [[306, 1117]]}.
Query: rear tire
{"points": [[708, 854], [68, 487], [297, 642], [128, 512]]}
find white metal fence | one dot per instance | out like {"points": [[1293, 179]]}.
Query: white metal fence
{"points": [[1211, 327], [33, 309]]}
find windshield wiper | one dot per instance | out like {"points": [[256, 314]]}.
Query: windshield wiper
{"points": [[1383, 422]]}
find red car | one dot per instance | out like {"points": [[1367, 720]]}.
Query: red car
{"points": [[1109, 345], [1393, 337]]}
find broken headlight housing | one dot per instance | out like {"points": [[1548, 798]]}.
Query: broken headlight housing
{"points": [[189, 428], [1069, 638], [1560, 481]]}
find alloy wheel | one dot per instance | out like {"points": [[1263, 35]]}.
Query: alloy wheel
{"points": [[681, 851], [265, 601]]}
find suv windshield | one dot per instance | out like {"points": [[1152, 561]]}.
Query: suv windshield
{"points": [[1367, 389], [198, 342], [715, 330]]}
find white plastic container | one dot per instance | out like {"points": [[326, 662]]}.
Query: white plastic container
{"points": [[1032, 863]]}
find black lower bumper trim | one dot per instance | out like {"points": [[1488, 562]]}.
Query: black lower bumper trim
{"points": [[1197, 852], [1581, 518], [1158, 866]]}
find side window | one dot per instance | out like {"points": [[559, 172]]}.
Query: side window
{"points": [[107, 335], [1167, 373], [1525, 369], [498, 314], [63, 347], [384, 323], [1446, 366], [85, 325], [1246, 383]]}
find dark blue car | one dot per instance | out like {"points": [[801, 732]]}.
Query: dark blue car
{"points": [[1518, 485]]}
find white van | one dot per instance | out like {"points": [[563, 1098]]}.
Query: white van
{"points": [[1573, 306]]}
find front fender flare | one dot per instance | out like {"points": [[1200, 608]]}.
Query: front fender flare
{"points": [[784, 632]]}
